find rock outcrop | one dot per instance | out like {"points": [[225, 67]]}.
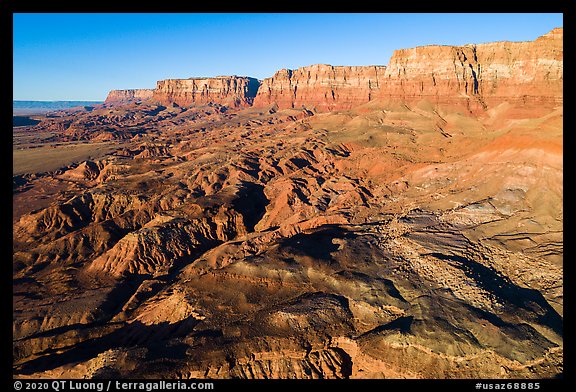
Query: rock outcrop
{"points": [[473, 77], [478, 76], [323, 87], [125, 96], [418, 235], [233, 91], [470, 77]]}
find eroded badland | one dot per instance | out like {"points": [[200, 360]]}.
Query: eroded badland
{"points": [[399, 221]]}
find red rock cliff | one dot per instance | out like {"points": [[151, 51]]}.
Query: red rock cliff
{"points": [[228, 90], [478, 76], [322, 86], [472, 77], [122, 96], [469, 77]]}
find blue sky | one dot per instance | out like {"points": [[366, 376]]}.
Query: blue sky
{"points": [[83, 56]]}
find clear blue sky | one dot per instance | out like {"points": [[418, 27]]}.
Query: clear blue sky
{"points": [[83, 56]]}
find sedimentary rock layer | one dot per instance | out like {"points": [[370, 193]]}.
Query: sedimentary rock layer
{"points": [[321, 86], [419, 235], [481, 75], [123, 96], [473, 77], [230, 90]]}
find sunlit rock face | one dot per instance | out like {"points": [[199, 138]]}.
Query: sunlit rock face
{"points": [[410, 226], [233, 91]]}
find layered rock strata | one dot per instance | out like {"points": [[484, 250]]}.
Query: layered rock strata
{"points": [[388, 241], [321, 86], [469, 77], [125, 96], [234, 91], [478, 75]]}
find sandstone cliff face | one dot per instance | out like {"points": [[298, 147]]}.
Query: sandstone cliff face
{"points": [[229, 90], [394, 240], [473, 77], [322, 86], [478, 75], [124, 96]]}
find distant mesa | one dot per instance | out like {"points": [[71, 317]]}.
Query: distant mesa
{"points": [[234, 91], [469, 77], [399, 221], [322, 86], [125, 96], [24, 108]]}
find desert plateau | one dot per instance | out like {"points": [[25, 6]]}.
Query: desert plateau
{"points": [[330, 221]]}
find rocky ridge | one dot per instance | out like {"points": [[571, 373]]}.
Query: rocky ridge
{"points": [[125, 96], [403, 237], [480, 76], [234, 91], [321, 86], [470, 77]]}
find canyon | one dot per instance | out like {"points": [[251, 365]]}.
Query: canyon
{"points": [[398, 221]]}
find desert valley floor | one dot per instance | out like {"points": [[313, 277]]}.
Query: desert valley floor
{"points": [[391, 239]]}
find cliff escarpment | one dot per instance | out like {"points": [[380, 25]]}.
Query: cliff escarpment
{"points": [[125, 96], [478, 76], [233, 91], [412, 228], [321, 86], [470, 77]]}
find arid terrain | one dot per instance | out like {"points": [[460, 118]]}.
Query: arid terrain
{"points": [[399, 221]]}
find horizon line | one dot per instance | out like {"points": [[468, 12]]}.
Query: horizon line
{"points": [[293, 69]]}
